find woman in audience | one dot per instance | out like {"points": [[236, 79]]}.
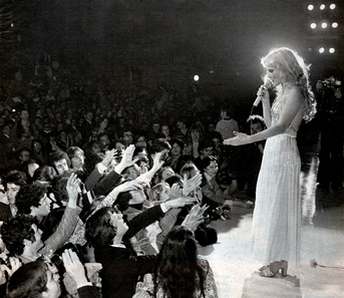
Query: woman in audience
{"points": [[217, 197], [41, 279], [179, 273]]}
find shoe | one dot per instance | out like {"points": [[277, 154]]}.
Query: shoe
{"points": [[274, 268]]}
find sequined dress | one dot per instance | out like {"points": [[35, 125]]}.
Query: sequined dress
{"points": [[277, 215]]}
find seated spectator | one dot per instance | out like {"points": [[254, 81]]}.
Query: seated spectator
{"points": [[179, 272], [226, 125], [104, 142], [177, 159], [213, 194], [127, 138], [44, 175], [40, 279], [32, 200], [12, 182], [16, 231], [60, 161], [166, 132], [77, 158], [22, 238], [105, 230]]}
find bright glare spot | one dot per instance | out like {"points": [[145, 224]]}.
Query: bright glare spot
{"points": [[321, 50], [324, 25], [335, 25], [196, 78], [332, 6], [12, 25], [332, 50], [310, 7], [313, 25], [322, 6]]}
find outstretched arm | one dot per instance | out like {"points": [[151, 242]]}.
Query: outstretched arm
{"points": [[294, 103]]}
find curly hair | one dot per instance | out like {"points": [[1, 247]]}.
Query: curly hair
{"points": [[29, 281], [15, 177], [58, 155], [58, 188], [29, 196], [45, 174], [297, 71], [178, 272], [15, 231], [99, 231]]}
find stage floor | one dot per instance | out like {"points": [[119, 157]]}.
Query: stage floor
{"points": [[322, 240]]}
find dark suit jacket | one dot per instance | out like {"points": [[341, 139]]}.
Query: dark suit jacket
{"points": [[121, 267], [89, 292]]}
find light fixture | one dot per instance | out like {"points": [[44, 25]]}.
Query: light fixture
{"points": [[321, 50], [324, 25], [196, 78], [310, 6], [334, 25], [322, 6], [332, 50], [313, 25], [332, 6]]}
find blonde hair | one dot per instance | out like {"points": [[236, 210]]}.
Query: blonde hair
{"points": [[297, 71]]}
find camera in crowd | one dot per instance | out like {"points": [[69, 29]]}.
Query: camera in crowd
{"points": [[331, 83]]}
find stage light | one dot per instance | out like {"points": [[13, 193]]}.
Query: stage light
{"points": [[332, 6], [324, 25], [334, 25], [196, 78], [321, 50], [332, 50], [313, 25], [322, 6], [310, 7]]}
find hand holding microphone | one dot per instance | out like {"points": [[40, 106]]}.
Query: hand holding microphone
{"points": [[263, 91]]}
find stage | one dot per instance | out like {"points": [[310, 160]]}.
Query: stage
{"points": [[322, 240]]}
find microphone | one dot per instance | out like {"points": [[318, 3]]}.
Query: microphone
{"points": [[267, 83]]}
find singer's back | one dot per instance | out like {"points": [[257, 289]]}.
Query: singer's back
{"points": [[276, 111], [276, 218]]}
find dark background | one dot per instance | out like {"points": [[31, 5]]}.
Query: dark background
{"points": [[152, 41]]}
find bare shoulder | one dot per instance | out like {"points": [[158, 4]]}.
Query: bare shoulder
{"points": [[294, 92], [294, 95]]}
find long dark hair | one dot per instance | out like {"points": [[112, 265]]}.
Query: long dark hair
{"points": [[178, 272]]}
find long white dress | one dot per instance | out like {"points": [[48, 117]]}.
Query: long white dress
{"points": [[277, 214]]}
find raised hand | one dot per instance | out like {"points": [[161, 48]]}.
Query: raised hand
{"points": [[195, 217], [239, 139], [127, 157], [195, 136], [189, 185], [92, 271], [121, 226], [13, 267], [73, 188], [74, 267], [175, 191], [157, 161]]}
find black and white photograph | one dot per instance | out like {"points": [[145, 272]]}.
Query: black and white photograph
{"points": [[171, 149]]}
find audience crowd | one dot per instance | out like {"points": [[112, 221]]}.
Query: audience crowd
{"points": [[109, 192]]}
